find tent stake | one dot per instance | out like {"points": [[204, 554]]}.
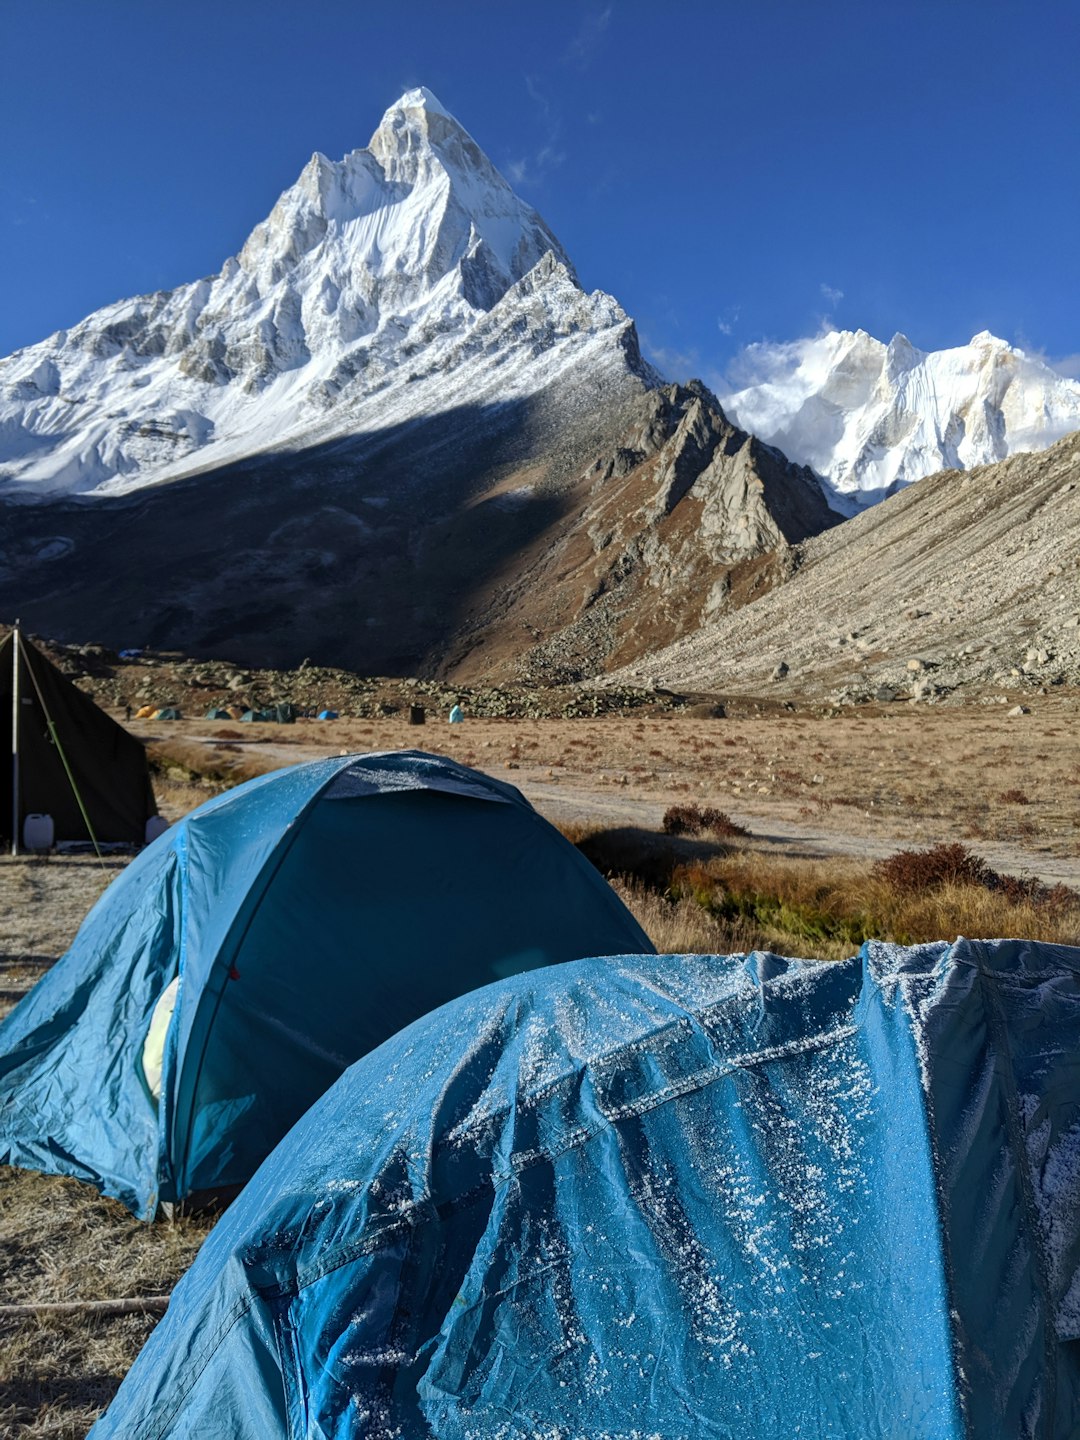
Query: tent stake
{"points": [[15, 740]]}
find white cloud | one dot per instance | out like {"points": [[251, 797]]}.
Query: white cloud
{"points": [[831, 294], [1067, 365], [768, 361]]}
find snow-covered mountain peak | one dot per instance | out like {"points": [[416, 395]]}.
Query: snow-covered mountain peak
{"points": [[420, 98], [871, 418], [368, 272], [416, 131], [901, 355]]}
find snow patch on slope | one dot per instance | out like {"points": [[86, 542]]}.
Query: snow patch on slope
{"points": [[401, 281], [871, 418]]}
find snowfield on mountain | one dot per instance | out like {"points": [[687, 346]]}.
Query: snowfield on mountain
{"points": [[399, 282]]}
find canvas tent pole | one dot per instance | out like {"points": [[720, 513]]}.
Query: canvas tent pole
{"points": [[15, 739]]}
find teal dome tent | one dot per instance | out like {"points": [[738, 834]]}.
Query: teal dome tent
{"points": [[682, 1196], [263, 944]]}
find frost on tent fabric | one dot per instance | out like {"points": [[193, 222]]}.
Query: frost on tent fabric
{"points": [[677, 1196]]}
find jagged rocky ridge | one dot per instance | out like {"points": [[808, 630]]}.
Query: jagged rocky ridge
{"points": [[681, 520], [871, 418]]}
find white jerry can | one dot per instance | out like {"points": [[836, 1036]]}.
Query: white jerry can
{"points": [[39, 832]]}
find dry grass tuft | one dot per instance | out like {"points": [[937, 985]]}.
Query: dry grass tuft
{"points": [[187, 773], [681, 926], [826, 909], [751, 898], [913, 871]]}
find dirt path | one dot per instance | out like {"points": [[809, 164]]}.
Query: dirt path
{"points": [[808, 787], [568, 803]]}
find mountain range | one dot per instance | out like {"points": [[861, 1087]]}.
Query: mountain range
{"points": [[395, 433], [871, 418]]}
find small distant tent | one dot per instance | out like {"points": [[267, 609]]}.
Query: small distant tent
{"points": [[216, 713], [167, 712], [69, 752], [299, 920], [678, 1196], [328, 714]]}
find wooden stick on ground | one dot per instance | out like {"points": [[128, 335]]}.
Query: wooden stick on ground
{"points": [[146, 1305]]}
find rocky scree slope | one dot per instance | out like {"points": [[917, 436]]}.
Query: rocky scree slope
{"points": [[871, 418], [962, 582]]}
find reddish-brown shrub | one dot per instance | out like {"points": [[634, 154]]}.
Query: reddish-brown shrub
{"points": [[946, 864], [909, 871], [694, 820]]}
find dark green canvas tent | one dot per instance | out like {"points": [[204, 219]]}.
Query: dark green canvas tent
{"points": [[58, 722]]}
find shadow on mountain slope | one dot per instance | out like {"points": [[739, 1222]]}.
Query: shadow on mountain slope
{"points": [[361, 551]]}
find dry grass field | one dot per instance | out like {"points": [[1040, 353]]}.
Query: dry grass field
{"points": [[825, 802], [860, 782]]}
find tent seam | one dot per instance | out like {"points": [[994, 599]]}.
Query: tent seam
{"points": [[381, 1228], [231, 1320]]}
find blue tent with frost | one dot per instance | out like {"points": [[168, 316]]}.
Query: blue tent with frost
{"points": [[689, 1197], [264, 943]]}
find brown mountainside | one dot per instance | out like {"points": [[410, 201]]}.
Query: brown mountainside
{"points": [[684, 518]]}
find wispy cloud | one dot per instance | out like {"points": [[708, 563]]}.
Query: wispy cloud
{"points": [[672, 362], [19, 209], [589, 37], [726, 322], [1067, 365], [831, 294], [549, 154]]}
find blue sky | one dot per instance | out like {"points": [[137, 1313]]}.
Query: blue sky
{"points": [[732, 173]]}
